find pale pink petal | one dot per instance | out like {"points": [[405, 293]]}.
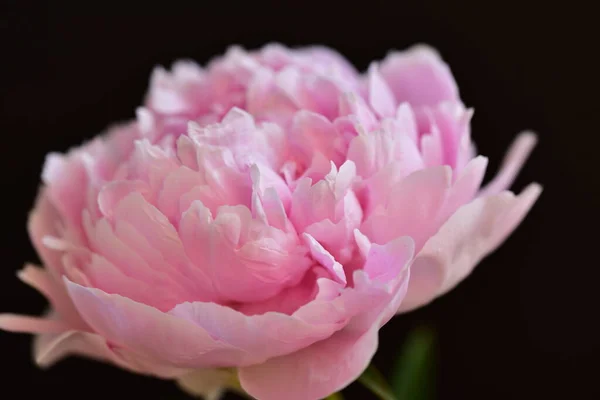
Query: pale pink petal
{"points": [[310, 133], [313, 372], [381, 97], [44, 221], [54, 291], [406, 118], [289, 300], [473, 232], [25, 324], [145, 330], [466, 186], [448, 123], [120, 256], [432, 149], [419, 76], [182, 91], [175, 185], [413, 208], [320, 94], [325, 259], [266, 101], [374, 151], [512, 164], [312, 203], [112, 193], [353, 107], [332, 61], [48, 349], [245, 259], [385, 262], [386, 265], [273, 334], [66, 181]]}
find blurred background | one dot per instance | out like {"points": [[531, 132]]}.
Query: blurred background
{"points": [[523, 326]]}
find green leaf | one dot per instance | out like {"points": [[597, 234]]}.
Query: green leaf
{"points": [[414, 374], [335, 396], [374, 381]]}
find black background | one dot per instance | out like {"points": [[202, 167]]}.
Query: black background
{"points": [[523, 326]]}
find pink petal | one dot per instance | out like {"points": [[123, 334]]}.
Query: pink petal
{"points": [[385, 262], [313, 372], [381, 97], [386, 265], [405, 117], [25, 324], [43, 221], [413, 208], [67, 181], [473, 232], [312, 133], [312, 203], [145, 330], [113, 192], [352, 105], [512, 164], [268, 102], [51, 348], [324, 258], [419, 76], [329, 365], [289, 300], [335, 62], [182, 91], [245, 259], [374, 151], [274, 334], [54, 291], [466, 186]]}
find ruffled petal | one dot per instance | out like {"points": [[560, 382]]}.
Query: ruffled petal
{"points": [[419, 76], [147, 331], [330, 365]]}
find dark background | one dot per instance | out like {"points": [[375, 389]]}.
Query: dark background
{"points": [[523, 326]]}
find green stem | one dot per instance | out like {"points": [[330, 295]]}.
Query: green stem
{"points": [[335, 396], [235, 386], [375, 382]]}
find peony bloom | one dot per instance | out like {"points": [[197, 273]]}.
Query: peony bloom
{"points": [[263, 215]]}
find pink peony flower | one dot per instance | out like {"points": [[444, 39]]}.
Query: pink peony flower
{"points": [[263, 214]]}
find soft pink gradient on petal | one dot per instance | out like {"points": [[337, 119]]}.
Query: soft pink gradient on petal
{"points": [[473, 232], [270, 211], [419, 76], [314, 372], [511, 165]]}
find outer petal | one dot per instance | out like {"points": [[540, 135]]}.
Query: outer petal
{"points": [[54, 291], [512, 164], [329, 365], [199, 335], [181, 91], [51, 348], [473, 232], [313, 372], [147, 331], [419, 77], [43, 222]]}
